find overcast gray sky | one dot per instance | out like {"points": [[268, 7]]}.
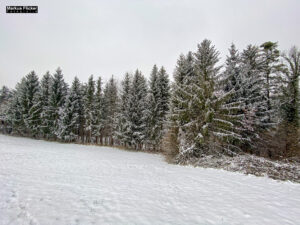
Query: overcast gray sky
{"points": [[117, 36]]}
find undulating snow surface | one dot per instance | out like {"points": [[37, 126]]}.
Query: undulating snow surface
{"points": [[51, 183]]}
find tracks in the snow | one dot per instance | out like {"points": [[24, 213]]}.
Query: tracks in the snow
{"points": [[21, 208]]}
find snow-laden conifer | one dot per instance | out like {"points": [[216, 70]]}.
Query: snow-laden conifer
{"points": [[99, 112], [58, 95], [123, 133], [110, 110], [45, 93], [15, 112], [30, 103], [271, 68], [89, 109], [153, 110], [5, 98], [253, 94], [72, 114], [138, 108], [207, 123], [163, 88]]}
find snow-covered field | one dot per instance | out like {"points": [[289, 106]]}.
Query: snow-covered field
{"points": [[51, 183]]}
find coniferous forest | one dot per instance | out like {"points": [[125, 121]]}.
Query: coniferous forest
{"points": [[246, 103]]}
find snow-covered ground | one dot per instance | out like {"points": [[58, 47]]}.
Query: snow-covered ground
{"points": [[51, 183]]}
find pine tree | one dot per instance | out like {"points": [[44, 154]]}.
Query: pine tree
{"points": [[72, 115], [57, 100], [138, 107], [46, 84], [110, 110]]}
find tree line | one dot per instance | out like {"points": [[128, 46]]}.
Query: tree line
{"points": [[248, 104]]}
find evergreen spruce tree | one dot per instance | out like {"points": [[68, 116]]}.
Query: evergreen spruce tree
{"points": [[138, 113], [89, 109], [14, 114], [57, 100], [232, 76], [183, 77], [163, 87], [231, 83], [253, 94], [30, 103], [123, 133], [209, 125], [5, 98], [180, 98], [164, 91], [5, 94], [72, 114], [153, 110], [110, 110], [45, 92], [99, 112]]}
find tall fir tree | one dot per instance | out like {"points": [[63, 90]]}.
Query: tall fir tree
{"points": [[232, 76], [72, 114], [57, 100], [164, 92], [163, 87], [99, 112], [138, 113], [123, 133], [253, 94], [231, 83], [15, 112], [5, 98], [5, 94], [110, 110], [207, 124], [45, 93], [31, 107], [153, 109], [89, 110], [183, 77]]}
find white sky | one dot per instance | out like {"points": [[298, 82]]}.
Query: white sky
{"points": [[117, 36]]}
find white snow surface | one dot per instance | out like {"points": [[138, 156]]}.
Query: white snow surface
{"points": [[51, 183]]}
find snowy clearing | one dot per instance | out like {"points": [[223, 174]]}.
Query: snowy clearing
{"points": [[50, 183]]}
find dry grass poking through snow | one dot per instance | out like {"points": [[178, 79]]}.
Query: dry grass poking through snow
{"points": [[250, 164]]}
